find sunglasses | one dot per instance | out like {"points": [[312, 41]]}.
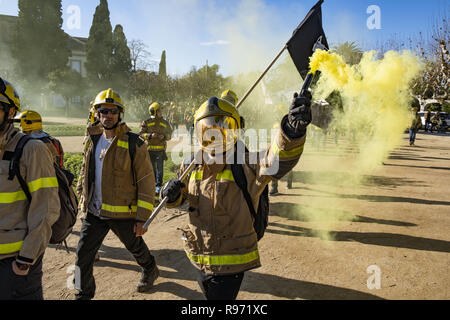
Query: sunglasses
{"points": [[108, 111]]}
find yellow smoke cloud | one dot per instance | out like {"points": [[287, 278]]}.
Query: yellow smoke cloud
{"points": [[376, 101], [376, 98]]}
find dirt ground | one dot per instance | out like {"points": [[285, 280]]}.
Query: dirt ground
{"points": [[397, 221]]}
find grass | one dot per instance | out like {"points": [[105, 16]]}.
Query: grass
{"points": [[63, 130]]}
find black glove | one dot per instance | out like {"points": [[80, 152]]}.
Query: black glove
{"points": [[172, 189], [300, 113]]}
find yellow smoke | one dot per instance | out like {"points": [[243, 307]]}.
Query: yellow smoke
{"points": [[376, 101], [376, 98]]}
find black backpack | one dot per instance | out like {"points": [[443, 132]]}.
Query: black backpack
{"points": [[261, 218], [69, 203]]}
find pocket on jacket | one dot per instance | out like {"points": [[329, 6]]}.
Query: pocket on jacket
{"points": [[122, 161]]}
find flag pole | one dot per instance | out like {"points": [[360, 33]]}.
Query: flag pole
{"points": [[192, 165], [306, 84], [262, 76]]}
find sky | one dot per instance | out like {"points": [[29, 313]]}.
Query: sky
{"points": [[245, 35]]}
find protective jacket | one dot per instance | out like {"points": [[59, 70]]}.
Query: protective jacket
{"points": [[25, 228], [159, 126], [220, 238], [128, 187]]}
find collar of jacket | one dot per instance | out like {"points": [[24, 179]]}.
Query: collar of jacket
{"points": [[9, 134], [121, 129]]}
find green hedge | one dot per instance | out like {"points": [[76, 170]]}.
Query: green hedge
{"points": [[73, 162]]}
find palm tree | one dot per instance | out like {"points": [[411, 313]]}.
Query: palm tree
{"points": [[349, 51]]}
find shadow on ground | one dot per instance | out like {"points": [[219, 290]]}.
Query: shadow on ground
{"points": [[333, 178], [174, 265], [372, 238], [307, 213], [374, 198]]}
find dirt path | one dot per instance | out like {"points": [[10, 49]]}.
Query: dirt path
{"points": [[397, 220]]}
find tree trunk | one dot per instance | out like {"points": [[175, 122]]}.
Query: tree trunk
{"points": [[67, 106]]}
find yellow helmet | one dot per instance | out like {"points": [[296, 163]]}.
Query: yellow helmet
{"points": [[217, 124], [108, 97], [229, 96], [29, 120], [8, 95], [153, 108]]}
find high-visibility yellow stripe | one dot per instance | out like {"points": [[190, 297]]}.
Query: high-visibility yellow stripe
{"points": [[33, 186], [155, 148], [151, 124], [197, 175], [122, 144], [286, 154], [225, 260], [145, 205], [42, 183], [6, 248], [225, 175], [163, 125], [118, 209], [12, 197]]}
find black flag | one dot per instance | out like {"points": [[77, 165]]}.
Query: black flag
{"points": [[301, 44]]}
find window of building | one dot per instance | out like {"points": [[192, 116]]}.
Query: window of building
{"points": [[76, 65]]}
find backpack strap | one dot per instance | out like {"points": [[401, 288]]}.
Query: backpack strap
{"points": [[14, 165], [240, 178], [241, 181], [134, 140]]}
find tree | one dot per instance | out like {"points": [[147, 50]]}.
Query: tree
{"points": [[40, 45], [66, 82], [162, 66], [433, 82], [121, 59], [139, 55], [99, 46], [350, 52]]}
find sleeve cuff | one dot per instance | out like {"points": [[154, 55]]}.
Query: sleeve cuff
{"points": [[24, 260]]}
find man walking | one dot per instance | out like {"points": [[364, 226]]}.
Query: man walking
{"points": [[116, 188], [157, 131], [25, 227]]}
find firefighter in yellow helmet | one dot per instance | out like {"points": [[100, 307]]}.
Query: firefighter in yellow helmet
{"points": [[31, 124], [116, 190], [220, 239], [26, 215], [156, 131]]}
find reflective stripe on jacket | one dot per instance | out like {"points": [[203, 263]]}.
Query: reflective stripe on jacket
{"points": [[220, 238], [121, 197], [25, 228]]}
